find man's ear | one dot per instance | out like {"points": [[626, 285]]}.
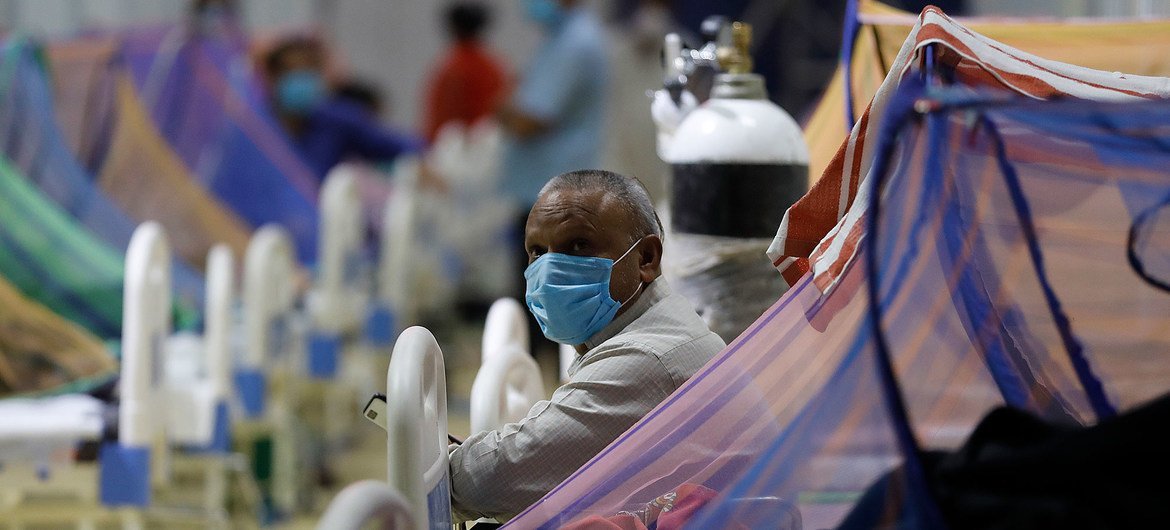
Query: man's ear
{"points": [[650, 259]]}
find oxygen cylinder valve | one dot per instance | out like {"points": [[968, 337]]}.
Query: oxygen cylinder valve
{"points": [[735, 57]]}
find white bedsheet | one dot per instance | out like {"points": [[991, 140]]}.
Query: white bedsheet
{"points": [[40, 428]]}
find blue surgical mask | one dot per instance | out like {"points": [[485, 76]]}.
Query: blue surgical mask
{"points": [[547, 13], [300, 91], [569, 295]]}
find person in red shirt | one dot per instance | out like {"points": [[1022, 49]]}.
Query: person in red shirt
{"points": [[469, 82]]}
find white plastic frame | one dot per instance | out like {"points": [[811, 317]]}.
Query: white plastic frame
{"points": [[505, 389], [218, 319], [368, 501], [338, 307], [146, 321], [398, 226], [506, 324], [268, 290], [416, 419]]}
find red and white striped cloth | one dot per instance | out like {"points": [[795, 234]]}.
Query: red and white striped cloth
{"points": [[823, 230]]}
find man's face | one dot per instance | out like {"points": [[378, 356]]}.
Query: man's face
{"points": [[586, 223]]}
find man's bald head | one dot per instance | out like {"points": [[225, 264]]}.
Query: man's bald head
{"points": [[628, 193]]}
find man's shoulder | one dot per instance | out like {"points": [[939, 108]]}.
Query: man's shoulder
{"points": [[666, 327]]}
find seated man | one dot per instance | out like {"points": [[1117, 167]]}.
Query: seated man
{"points": [[594, 247]]}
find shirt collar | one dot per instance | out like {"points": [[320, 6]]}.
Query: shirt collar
{"points": [[655, 291]]}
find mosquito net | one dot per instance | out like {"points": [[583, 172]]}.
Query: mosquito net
{"points": [[821, 231], [136, 168], [33, 144], [52, 259], [202, 96], [1016, 252]]}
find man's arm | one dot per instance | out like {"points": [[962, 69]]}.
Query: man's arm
{"points": [[369, 139], [501, 472], [518, 123], [546, 91]]}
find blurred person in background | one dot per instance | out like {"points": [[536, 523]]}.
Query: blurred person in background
{"points": [[636, 32], [554, 120], [325, 129], [469, 82]]}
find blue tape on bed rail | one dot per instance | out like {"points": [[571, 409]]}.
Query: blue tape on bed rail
{"points": [[324, 351], [252, 388], [380, 326], [124, 475]]}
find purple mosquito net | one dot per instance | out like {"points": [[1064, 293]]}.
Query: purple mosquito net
{"points": [[202, 95]]}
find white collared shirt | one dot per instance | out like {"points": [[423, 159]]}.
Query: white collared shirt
{"points": [[631, 366]]}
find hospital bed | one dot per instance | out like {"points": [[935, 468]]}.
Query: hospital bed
{"points": [[417, 493], [396, 297], [40, 480], [505, 389], [506, 323], [340, 363], [197, 391], [269, 429]]}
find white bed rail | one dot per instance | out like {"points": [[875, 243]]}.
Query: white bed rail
{"points": [[416, 422], [505, 389], [339, 298], [395, 306], [198, 369], [340, 246], [368, 501], [268, 295], [217, 318], [126, 468], [506, 324]]}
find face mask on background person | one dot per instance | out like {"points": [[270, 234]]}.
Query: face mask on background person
{"points": [[300, 91], [569, 295], [547, 13]]}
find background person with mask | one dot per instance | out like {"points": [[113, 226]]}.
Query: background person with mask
{"points": [[594, 244], [554, 120], [325, 130]]}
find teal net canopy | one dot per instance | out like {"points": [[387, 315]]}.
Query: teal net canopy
{"points": [[1017, 254]]}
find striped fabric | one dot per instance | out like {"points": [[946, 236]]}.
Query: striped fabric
{"points": [[822, 231]]}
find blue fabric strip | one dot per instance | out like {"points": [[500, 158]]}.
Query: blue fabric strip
{"points": [[898, 114], [1089, 381]]}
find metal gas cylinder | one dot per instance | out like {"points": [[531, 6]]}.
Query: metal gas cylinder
{"points": [[738, 161]]}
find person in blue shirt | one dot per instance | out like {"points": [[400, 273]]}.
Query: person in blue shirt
{"points": [[555, 118], [326, 130]]}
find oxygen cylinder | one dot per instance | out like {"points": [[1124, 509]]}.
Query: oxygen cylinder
{"points": [[738, 161]]}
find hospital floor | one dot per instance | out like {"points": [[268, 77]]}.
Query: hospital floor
{"points": [[366, 457]]}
